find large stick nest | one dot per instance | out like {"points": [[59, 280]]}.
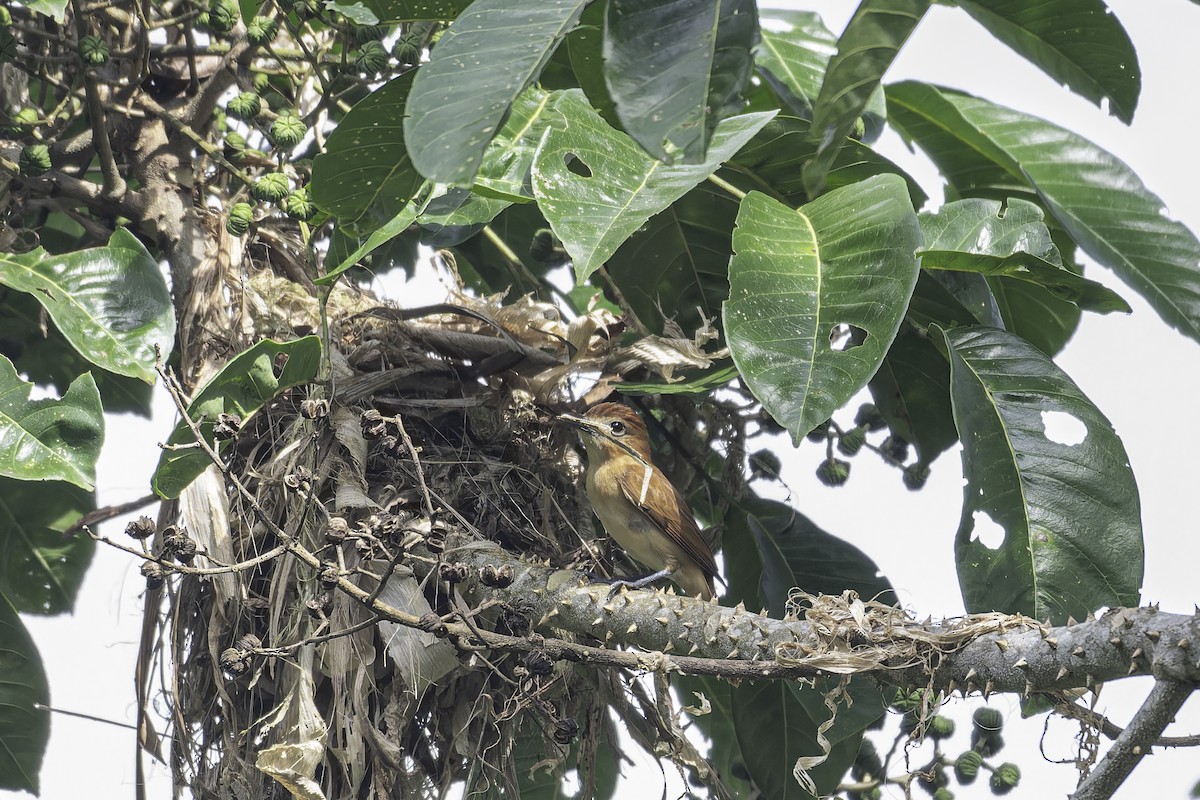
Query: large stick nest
{"points": [[442, 417]]}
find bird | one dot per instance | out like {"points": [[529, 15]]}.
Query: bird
{"points": [[638, 505]]}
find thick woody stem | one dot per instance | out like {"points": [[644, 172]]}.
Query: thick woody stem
{"points": [[1164, 700]]}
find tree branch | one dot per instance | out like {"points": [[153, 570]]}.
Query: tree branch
{"points": [[1164, 700]]}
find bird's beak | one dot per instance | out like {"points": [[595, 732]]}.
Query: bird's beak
{"points": [[583, 424]]}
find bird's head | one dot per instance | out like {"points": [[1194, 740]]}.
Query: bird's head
{"points": [[612, 430]]}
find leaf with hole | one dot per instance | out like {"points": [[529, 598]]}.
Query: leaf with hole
{"points": [[47, 439], [988, 150], [461, 97], [1051, 522], [243, 386], [981, 236], [597, 187], [800, 278]]}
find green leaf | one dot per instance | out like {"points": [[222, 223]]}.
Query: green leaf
{"points": [[979, 146], [24, 730], [701, 383], [796, 553], [1065, 497], [1034, 314], [243, 386], [357, 13], [456, 215], [978, 235], [585, 52], [41, 570], [773, 161], [56, 9], [717, 726], [504, 172], [378, 238], [678, 261], [392, 11], [49, 440], [912, 392], [795, 50], [1079, 43], [675, 68], [596, 187], [365, 166], [845, 259], [866, 48], [111, 303], [42, 354], [484, 60], [773, 730]]}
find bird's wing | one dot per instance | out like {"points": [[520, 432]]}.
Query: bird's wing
{"points": [[658, 493]]}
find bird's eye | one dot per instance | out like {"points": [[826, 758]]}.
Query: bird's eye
{"points": [[617, 427]]}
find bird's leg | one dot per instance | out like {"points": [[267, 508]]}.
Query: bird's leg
{"points": [[670, 569]]}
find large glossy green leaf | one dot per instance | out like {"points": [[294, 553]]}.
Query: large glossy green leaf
{"points": [[677, 263], [585, 52], [40, 568], [979, 145], [391, 11], [866, 48], [1078, 43], [774, 159], [456, 215], [799, 276], [1064, 495], [24, 730], [911, 389], [794, 52], [43, 355], [796, 553], [49, 440], [476, 70], [773, 730], [365, 166], [1034, 314], [675, 68], [504, 173], [982, 236], [111, 303], [243, 386], [596, 187]]}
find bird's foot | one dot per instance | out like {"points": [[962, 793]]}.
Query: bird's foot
{"points": [[639, 583]]}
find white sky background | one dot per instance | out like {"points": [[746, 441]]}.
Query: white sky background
{"points": [[1141, 374]]}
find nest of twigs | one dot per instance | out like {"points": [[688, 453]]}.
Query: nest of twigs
{"points": [[285, 686]]}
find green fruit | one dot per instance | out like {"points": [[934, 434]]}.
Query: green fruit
{"points": [[1005, 778], [298, 206], [966, 767], [239, 219], [852, 441], [943, 794], [34, 160], [988, 719], [270, 188], [372, 58], [261, 31], [367, 33], [288, 130], [28, 116], [94, 51], [915, 475], [246, 105], [222, 15], [833, 472], [941, 727]]}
